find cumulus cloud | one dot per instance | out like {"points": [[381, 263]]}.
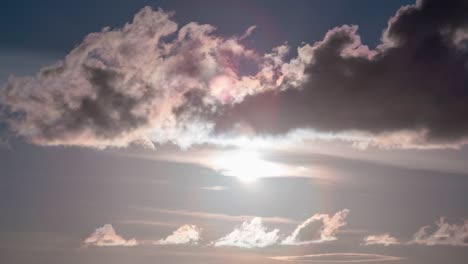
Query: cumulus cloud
{"points": [[106, 236], [338, 258], [409, 92], [186, 234], [318, 228], [152, 81], [251, 234], [383, 239], [442, 233], [148, 81]]}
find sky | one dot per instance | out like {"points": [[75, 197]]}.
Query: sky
{"points": [[233, 132]]}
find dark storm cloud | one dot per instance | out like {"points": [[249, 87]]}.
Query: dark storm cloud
{"points": [[415, 82]]}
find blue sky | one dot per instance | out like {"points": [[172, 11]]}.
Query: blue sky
{"points": [[266, 132]]}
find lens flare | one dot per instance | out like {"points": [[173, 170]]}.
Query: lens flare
{"points": [[247, 165]]}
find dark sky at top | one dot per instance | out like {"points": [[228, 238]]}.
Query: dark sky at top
{"points": [[58, 26]]}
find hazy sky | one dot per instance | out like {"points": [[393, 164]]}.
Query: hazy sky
{"points": [[233, 132]]}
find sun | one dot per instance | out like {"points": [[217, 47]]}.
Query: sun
{"points": [[246, 165]]}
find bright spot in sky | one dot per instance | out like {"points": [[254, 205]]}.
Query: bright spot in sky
{"points": [[246, 165]]}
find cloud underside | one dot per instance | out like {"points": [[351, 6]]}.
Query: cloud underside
{"points": [[106, 236], [153, 82], [338, 258]]}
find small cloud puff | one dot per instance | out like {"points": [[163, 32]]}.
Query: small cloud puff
{"points": [[186, 234], [249, 235], [383, 239], [106, 236]]}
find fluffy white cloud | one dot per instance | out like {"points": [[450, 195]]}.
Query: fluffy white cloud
{"points": [[443, 233], [186, 234], [106, 236], [318, 228], [135, 84], [383, 239], [249, 235]]}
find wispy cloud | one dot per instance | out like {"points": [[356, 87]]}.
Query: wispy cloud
{"points": [[251, 234], [248, 32], [316, 229], [106, 236], [338, 258], [186, 234], [214, 188], [217, 216], [147, 222]]}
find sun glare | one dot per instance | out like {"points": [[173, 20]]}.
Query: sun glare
{"points": [[246, 165]]}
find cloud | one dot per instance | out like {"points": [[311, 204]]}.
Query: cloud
{"points": [[147, 222], [383, 239], [214, 188], [249, 235], [318, 228], [409, 92], [248, 32], [153, 82], [443, 233], [106, 236], [338, 258], [224, 217], [186, 234], [149, 81]]}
